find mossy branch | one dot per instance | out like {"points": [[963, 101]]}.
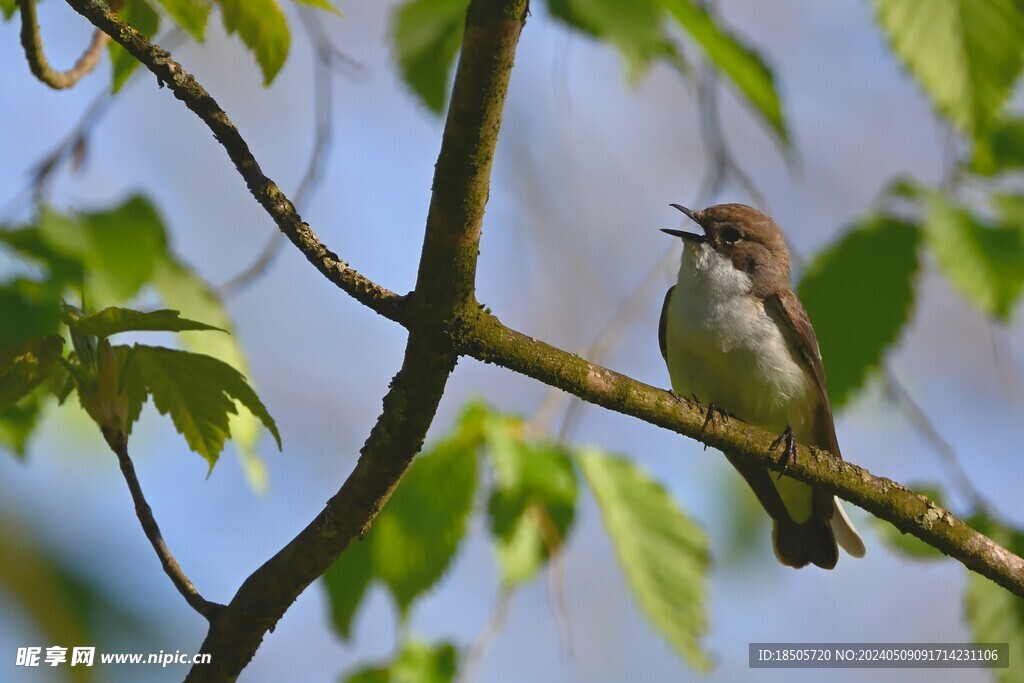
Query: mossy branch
{"points": [[445, 322]]}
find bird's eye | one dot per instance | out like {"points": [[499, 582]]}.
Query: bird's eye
{"points": [[730, 235]]}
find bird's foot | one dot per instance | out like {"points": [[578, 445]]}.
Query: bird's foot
{"points": [[788, 442], [711, 418]]}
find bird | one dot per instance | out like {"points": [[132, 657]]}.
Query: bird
{"points": [[736, 338]]}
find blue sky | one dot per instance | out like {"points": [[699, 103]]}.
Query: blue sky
{"points": [[585, 169]]}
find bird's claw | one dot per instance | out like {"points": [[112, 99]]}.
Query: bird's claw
{"points": [[711, 419], [788, 441]]}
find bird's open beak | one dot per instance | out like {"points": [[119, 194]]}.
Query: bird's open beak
{"points": [[686, 236]]}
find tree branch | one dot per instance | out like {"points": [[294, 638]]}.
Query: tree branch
{"points": [[490, 341], [271, 198], [443, 295], [37, 62], [444, 322], [444, 292], [208, 609], [263, 598]]}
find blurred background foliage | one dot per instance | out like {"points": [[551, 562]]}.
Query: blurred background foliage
{"points": [[898, 187]]}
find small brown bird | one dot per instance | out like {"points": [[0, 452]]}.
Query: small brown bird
{"points": [[735, 336]]}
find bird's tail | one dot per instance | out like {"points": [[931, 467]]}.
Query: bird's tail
{"points": [[812, 542], [817, 540], [847, 536]]}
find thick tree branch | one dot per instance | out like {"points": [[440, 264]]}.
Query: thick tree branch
{"points": [[443, 295], [208, 609], [490, 341], [271, 198], [37, 62], [263, 598], [445, 322], [444, 292]]}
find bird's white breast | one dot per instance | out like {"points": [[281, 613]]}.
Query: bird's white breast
{"points": [[724, 348]]}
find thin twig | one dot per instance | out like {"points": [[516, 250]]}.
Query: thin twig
{"points": [[325, 55], [37, 62], [208, 609], [41, 172], [919, 420], [485, 638], [276, 204], [554, 543]]}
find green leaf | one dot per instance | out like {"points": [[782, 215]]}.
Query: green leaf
{"points": [[131, 385], [346, 582], [180, 288], [114, 320], [8, 8], [993, 614], [1002, 149], [858, 318], [198, 392], [28, 310], [141, 16], [965, 53], [663, 554], [18, 422], [263, 27], [984, 262], [635, 28], [427, 35], [533, 502], [191, 15], [418, 532], [320, 4], [742, 66], [905, 544], [415, 663], [28, 242], [119, 248], [25, 366]]}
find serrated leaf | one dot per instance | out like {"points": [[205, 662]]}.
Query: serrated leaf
{"points": [[415, 663], [965, 53], [142, 18], [1000, 149], [858, 318], [426, 35], [132, 385], [263, 28], [114, 320], [199, 393], [742, 66], [663, 553], [25, 366], [993, 614], [190, 15], [119, 248], [984, 261], [533, 503], [346, 581], [180, 288], [320, 4], [418, 532]]}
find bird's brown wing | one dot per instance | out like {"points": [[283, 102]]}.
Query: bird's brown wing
{"points": [[785, 308], [663, 323]]}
